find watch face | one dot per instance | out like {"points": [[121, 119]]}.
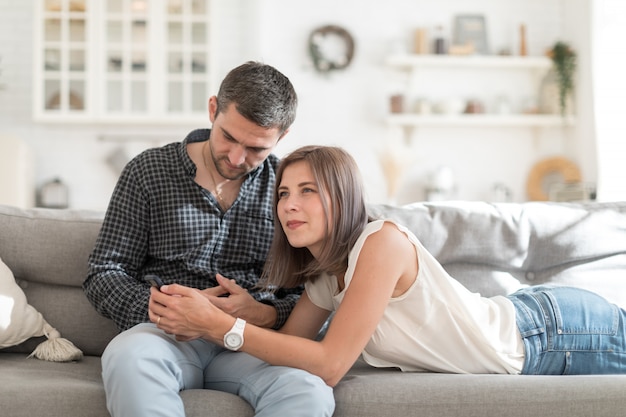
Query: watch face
{"points": [[233, 340]]}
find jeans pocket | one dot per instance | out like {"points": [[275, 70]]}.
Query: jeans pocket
{"points": [[581, 312]]}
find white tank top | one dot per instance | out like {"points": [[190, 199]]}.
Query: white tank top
{"points": [[437, 325]]}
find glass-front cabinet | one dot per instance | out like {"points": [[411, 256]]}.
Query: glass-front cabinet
{"points": [[123, 60], [62, 67]]}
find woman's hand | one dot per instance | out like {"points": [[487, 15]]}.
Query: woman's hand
{"points": [[237, 301], [187, 313]]}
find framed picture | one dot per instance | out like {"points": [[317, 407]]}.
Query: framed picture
{"points": [[471, 29]]}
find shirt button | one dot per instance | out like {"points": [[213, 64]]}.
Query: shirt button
{"points": [[530, 276]]}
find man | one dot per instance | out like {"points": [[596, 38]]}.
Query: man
{"points": [[186, 212]]}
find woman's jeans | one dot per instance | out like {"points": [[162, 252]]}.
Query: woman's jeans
{"points": [[569, 331], [144, 370]]}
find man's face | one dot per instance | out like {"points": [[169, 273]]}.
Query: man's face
{"points": [[238, 145]]}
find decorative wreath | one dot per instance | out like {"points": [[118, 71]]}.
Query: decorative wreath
{"points": [[331, 48], [556, 165]]}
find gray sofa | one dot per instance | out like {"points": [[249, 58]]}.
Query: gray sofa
{"points": [[492, 249]]}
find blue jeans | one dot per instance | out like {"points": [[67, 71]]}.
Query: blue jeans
{"points": [[569, 331], [144, 370]]}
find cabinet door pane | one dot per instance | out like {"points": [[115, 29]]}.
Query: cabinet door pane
{"points": [[76, 95], [139, 33], [52, 30], [175, 97], [199, 98], [175, 33], [62, 57], [52, 59], [77, 30], [115, 61], [114, 31], [198, 7], [114, 6], [52, 94], [198, 33], [78, 5], [198, 62], [77, 60], [139, 61], [175, 63], [52, 5], [187, 56], [139, 97], [115, 98], [174, 7], [126, 54]]}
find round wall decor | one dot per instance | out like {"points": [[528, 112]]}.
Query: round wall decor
{"points": [[331, 48], [542, 170]]}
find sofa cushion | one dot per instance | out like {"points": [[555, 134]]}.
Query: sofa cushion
{"points": [[495, 249], [37, 388], [371, 392], [30, 386], [18, 319], [58, 255], [51, 267]]}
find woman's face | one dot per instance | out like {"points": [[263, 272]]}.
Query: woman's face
{"points": [[300, 209]]}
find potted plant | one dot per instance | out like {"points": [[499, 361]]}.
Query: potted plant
{"points": [[564, 61]]}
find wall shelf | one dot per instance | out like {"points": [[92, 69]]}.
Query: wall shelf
{"points": [[480, 120], [422, 68], [472, 61]]}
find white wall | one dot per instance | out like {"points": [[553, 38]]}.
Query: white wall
{"points": [[345, 109]]}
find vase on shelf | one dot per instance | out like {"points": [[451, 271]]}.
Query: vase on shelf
{"points": [[395, 159], [549, 96]]}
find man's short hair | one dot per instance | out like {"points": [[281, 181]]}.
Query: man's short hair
{"points": [[261, 94]]}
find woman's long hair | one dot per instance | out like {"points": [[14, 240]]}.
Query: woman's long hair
{"points": [[337, 176]]}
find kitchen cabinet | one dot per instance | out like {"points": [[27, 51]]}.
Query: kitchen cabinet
{"points": [[134, 61]]}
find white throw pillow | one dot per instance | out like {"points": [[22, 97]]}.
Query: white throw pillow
{"points": [[20, 321]]}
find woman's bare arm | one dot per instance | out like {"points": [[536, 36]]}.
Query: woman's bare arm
{"points": [[387, 261]]}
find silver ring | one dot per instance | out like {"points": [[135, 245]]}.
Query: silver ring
{"points": [[159, 320]]}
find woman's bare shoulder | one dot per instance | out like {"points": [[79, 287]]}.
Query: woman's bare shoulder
{"points": [[388, 239]]}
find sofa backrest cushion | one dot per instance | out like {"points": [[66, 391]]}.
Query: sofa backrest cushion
{"points": [[47, 251], [495, 249]]}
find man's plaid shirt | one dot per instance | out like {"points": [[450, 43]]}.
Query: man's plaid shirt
{"points": [[159, 221]]}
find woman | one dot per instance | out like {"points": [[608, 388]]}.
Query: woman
{"points": [[393, 302]]}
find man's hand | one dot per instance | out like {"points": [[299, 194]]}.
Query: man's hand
{"points": [[236, 301], [186, 313]]}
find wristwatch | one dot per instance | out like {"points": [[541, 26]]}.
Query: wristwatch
{"points": [[233, 339]]}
